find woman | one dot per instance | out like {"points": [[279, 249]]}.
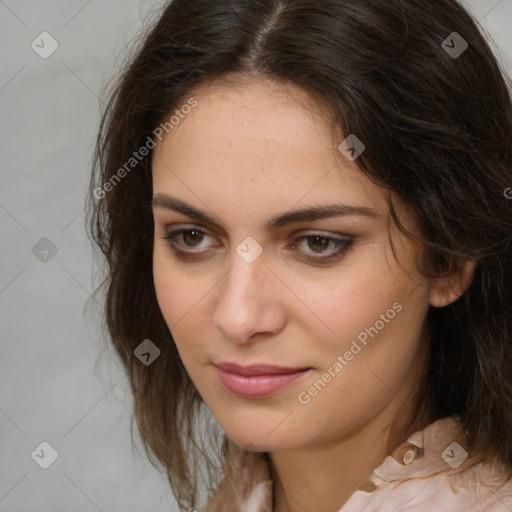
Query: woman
{"points": [[303, 209]]}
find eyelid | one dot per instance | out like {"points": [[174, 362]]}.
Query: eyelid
{"points": [[296, 235], [302, 232], [342, 242], [172, 233]]}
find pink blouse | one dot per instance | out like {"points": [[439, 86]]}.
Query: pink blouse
{"points": [[426, 473]]}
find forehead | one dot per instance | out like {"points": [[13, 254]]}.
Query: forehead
{"points": [[259, 143]]}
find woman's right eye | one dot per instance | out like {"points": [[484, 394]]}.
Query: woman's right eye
{"points": [[191, 238]]}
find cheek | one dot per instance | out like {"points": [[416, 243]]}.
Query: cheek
{"points": [[373, 318], [379, 361], [183, 299], [166, 288], [175, 295], [178, 293], [341, 306]]}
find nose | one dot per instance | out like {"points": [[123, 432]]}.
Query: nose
{"points": [[248, 301]]}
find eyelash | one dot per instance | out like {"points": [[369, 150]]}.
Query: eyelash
{"points": [[344, 245]]}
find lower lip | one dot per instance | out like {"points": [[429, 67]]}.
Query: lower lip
{"points": [[257, 386]]}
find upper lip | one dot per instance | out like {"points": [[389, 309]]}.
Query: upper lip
{"points": [[257, 369]]}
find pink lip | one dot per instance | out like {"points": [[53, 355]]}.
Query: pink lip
{"points": [[257, 381], [257, 369]]}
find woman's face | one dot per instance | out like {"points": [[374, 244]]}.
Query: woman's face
{"points": [[319, 294]]}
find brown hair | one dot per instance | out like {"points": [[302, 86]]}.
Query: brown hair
{"points": [[438, 133]]}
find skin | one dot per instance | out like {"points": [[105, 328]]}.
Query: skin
{"points": [[247, 153]]}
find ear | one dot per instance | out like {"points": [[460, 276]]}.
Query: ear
{"points": [[448, 288]]}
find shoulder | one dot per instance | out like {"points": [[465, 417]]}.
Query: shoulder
{"points": [[433, 471]]}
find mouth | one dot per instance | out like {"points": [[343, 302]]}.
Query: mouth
{"points": [[257, 381]]}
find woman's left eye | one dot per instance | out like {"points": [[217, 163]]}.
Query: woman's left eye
{"points": [[319, 244], [320, 248]]}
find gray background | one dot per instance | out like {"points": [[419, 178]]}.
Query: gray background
{"points": [[55, 387]]}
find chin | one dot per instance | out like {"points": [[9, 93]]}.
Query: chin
{"points": [[260, 433]]}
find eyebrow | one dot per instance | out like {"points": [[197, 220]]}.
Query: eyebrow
{"points": [[308, 214]]}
